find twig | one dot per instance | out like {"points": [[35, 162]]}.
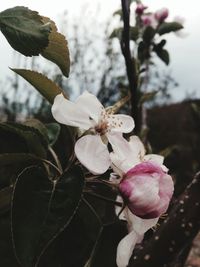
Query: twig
{"points": [[131, 68]]}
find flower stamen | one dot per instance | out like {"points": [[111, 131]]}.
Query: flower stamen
{"points": [[101, 128]]}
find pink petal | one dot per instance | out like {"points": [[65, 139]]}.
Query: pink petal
{"points": [[141, 193], [145, 167], [147, 190], [161, 14], [166, 186], [93, 153]]}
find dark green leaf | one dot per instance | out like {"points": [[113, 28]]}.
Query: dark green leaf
{"points": [[31, 137], [160, 45], [105, 252], [143, 52], [73, 247], [64, 146], [148, 34], [6, 250], [42, 84], [15, 158], [5, 199], [53, 130], [57, 49], [39, 126], [11, 142], [117, 33], [163, 55], [167, 27], [134, 33], [25, 30], [41, 210]]}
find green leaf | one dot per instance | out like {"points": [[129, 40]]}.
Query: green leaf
{"points": [[117, 33], [167, 27], [47, 88], [24, 30], [143, 52], [134, 33], [118, 12], [5, 199], [163, 55], [160, 45], [33, 140], [148, 34], [105, 250], [41, 210], [10, 142], [15, 158], [57, 49], [40, 127], [53, 130]]}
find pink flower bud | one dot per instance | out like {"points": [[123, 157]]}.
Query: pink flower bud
{"points": [[147, 190], [161, 14], [149, 20], [140, 9]]}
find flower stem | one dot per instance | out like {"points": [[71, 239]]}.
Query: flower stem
{"points": [[57, 161], [116, 203]]}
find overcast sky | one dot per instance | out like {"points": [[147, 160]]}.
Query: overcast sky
{"points": [[185, 53]]}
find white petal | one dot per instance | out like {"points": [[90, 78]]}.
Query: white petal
{"points": [[121, 150], [121, 123], [93, 153], [125, 154], [138, 224], [89, 104], [137, 146], [125, 248], [118, 165], [154, 158], [114, 178], [137, 227], [66, 112], [119, 144]]}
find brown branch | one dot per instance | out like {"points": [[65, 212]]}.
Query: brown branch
{"points": [[130, 64], [175, 233]]}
